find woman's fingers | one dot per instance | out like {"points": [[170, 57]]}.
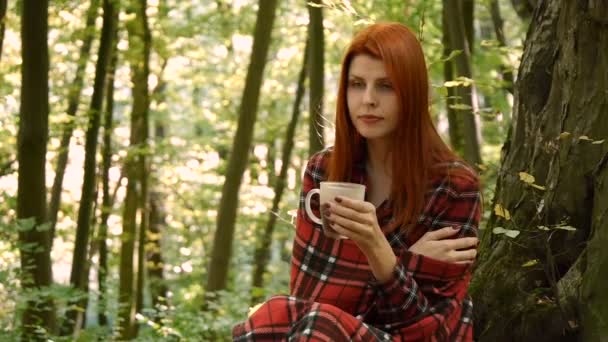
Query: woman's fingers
{"points": [[463, 256], [347, 212], [358, 206], [461, 243], [440, 234]]}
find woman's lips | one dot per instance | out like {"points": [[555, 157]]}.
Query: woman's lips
{"points": [[370, 119]]}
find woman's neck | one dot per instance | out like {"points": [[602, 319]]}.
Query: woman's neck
{"points": [[378, 159]]}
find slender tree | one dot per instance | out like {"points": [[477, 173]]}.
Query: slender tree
{"points": [[77, 276], [262, 251], [507, 74], [107, 201], [73, 102], [3, 6], [139, 42], [316, 72], [455, 130], [157, 213], [548, 283], [38, 317], [459, 41], [224, 233]]}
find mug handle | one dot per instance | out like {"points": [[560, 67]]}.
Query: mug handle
{"points": [[309, 212]]}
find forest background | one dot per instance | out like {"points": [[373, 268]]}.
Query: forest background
{"points": [[151, 154]]}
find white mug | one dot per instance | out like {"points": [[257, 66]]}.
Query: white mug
{"points": [[327, 192]]}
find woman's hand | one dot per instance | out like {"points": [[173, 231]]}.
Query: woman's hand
{"points": [[439, 246], [357, 220]]}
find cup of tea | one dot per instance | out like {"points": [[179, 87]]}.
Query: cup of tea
{"points": [[327, 192]]}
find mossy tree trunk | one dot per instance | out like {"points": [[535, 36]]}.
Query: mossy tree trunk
{"points": [[316, 47], [262, 251], [78, 277], [549, 283], [237, 162], [38, 316]]}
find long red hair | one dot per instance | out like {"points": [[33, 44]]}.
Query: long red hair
{"points": [[416, 147]]}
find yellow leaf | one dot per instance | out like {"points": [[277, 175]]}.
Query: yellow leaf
{"points": [[543, 227], [451, 84], [482, 167], [598, 142], [530, 263], [570, 228], [539, 187], [584, 137], [502, 212], [564, 135], [526, 177]]}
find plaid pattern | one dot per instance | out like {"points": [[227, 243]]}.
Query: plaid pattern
{"points": [[334, 296]]}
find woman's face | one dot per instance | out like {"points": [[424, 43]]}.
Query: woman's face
{"points": [[371, 99]]}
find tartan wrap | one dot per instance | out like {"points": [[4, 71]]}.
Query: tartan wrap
{"points": [[334, 295]]}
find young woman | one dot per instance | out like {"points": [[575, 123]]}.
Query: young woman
{"points": [[402, 273]]}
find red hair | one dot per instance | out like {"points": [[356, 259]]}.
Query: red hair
{"points": [[416, 147]]}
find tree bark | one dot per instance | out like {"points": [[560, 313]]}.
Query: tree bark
{"points": [[557, 136], [262, 251], [3, 6], [222, 242], [316, 67], [78, 276], [34, 239], [73, 102], [107, 201], [139, 43], [459, 41]]}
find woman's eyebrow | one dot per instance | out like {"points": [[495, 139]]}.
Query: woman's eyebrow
{"points": [[352, 76]]}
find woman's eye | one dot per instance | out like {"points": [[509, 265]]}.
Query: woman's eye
{"points": [[386, 86], [355, 84]]}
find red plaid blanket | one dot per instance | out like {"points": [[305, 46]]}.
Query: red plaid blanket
{"points": [[334, 296]]}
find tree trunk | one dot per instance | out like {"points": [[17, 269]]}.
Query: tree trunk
{"points": [[143, 165], [77, 276], [3, 6], [316, 48], [557, 136], [262, 251], [507, 74], [222, 242], [139, 44], [158, 288], [455, 131], [38, 317], [107, 201], [459, 41], [157, 217], [73, 102]]}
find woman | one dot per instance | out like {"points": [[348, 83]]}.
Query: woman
{"points": [[402, 273]]}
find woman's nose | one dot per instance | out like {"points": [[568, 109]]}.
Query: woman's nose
{"points": [[369, 97]]}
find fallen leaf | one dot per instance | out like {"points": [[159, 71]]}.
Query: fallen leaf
{"points": [[598, 142], [584, 137], [564, 135], [539, 187]]}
